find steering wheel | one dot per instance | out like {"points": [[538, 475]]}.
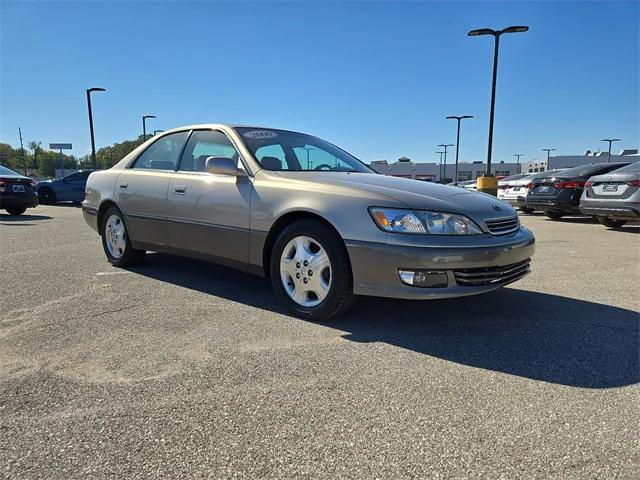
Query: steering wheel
{"points": [[323, 165]]}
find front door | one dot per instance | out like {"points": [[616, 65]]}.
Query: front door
{"points": [[208, 214], [141, 191]]}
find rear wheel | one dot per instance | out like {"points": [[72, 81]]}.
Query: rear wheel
{"points": [[15, 210], [611, 222], [527, 210], [116, 242], [46, 196], [310, 271], [553, 215]]}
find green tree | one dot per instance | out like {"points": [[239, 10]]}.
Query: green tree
{"points": [[36, 148]]}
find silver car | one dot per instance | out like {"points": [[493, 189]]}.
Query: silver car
{"points": [[613, 198], [319, 223]]}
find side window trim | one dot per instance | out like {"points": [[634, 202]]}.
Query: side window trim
{"points": [[135, 160]]}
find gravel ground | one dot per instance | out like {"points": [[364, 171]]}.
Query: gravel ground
{"points": [[183, 369]]}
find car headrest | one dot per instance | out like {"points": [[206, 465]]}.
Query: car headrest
{"points": [[271, 163], [161, 165]]}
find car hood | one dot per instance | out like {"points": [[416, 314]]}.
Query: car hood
{"points": [[410, 193]]}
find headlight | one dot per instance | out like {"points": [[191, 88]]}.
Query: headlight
{"points": [[421, 221]]}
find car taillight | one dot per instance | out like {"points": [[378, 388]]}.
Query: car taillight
{"points": [[571, 184], [2, 181], [588, 184], [529, 186], [634, 183]]}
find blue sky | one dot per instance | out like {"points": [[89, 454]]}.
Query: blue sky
{"points": [[375, 78]]}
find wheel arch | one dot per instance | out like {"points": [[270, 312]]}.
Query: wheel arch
{"points": [[285, 220], [104, 206]]}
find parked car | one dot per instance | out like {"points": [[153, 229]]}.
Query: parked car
{"points": [[514, 192], [16, 192], [559, 194], [613, 198], [321, 224], [66, 189]]}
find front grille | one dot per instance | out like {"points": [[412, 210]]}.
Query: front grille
{"points": [[477, 277], [501, 226]]}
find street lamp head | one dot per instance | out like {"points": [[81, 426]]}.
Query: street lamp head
{"points": [[149, 116], [482, 31], [458, 117], [96, 89], [515, 29], [611, 139], [445, 145]]}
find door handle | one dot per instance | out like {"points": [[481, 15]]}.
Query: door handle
{"points": [[124, 185], [180, 189]]}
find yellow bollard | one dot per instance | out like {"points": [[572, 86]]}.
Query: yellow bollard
{"points": [[487, 184]]}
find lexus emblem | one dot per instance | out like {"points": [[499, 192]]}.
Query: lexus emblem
{"points": [[496, 207]]}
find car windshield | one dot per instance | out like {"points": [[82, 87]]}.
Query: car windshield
{"points": [[281, 150], [632, 168], [7, 171]]}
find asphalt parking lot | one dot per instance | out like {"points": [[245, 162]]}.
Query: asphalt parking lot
{"points": [[183, 369]]}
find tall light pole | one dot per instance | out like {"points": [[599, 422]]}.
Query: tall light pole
{"points": [[144, 126], [445, 156], [548, 150], [440, 166], [492, 185], [307, 149], [93, 141], [610, 140], [458, 118], [155, 132], [518, 155]]}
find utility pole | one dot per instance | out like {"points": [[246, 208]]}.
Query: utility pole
{"points": [[518, 155], [445, 156], [610, 140], [24, 160]]}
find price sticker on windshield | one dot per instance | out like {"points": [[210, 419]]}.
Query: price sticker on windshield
{"points": [[254, 134]]}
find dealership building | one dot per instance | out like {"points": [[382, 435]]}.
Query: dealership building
{"points": [[430, 172]]}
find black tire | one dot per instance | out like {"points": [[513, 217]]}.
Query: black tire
{"points": [[526, 210], [130, 256], [340, 296], [15, 210], [611, 222], [553, 215], [46, 196]]}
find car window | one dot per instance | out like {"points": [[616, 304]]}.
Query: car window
{"points": [[632, 168], [590, 170], [203, 144], [163, 154], [6, 171], [77, 177], [312, 157], [272, 156]]}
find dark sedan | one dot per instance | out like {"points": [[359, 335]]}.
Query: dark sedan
{"points": [[559, 194], [17, 192], [65, 189]]}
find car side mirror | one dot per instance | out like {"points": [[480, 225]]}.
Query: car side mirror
{"points": [[224, 166]]}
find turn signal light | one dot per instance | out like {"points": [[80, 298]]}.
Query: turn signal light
{"points": [[634, 183], [588, 184], [424, 278]]}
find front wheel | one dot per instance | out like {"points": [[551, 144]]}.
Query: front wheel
{"points": [[611, 222], [310, 271], [46, 196], [116, 242], [16, 210], [553, 215]]}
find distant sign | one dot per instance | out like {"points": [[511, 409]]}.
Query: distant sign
{"points": [[60, 146]]}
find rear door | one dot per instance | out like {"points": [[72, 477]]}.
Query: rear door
{"points": [[141, 190], [72, 187], [208, 214]]}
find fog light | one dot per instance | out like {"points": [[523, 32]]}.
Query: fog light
{"points": [[424, 278]]}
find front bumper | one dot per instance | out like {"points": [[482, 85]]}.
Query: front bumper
{"points": [[90, 215], [375, 265], [26, 200]]}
